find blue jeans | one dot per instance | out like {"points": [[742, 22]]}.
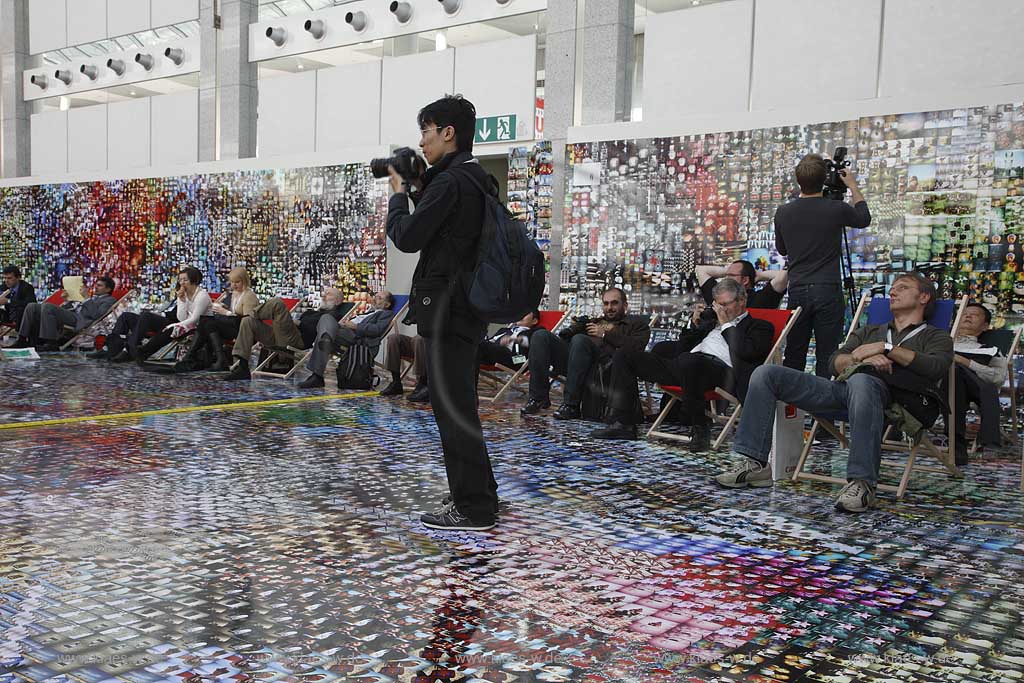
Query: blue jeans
{"points": [[860, 400], [823, 313]]}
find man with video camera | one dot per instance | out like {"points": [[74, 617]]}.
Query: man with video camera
{"points": [[809, 231], [445, 227]]}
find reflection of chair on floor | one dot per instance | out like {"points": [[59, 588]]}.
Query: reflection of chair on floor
{"points": [[782, 320], [89, 331], [945, 316], [550, 321]]}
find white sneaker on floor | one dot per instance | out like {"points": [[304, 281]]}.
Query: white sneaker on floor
{"points": [[856, 496], [750, 473]]}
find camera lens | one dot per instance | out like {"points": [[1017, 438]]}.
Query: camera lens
{"points": [[379, 167]]}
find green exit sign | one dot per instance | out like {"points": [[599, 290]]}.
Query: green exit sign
{"points": [[495, 129]]}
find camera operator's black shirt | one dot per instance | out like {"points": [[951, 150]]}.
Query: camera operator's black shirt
{"points": [[809, 230]]}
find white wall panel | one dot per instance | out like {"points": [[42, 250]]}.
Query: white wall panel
{"points": [[127, 16], [175, 129], [49, 142], [791, 64], [287, 114], [408, 83], [87, 21], [697, 61], [47, 25], [514, 92], [950, 45], [128, 132], [87, 138], [166, 12], [339, 123]]}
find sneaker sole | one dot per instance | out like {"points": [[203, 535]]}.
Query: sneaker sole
{"points": [[842, 508], [467, 527], [745, 484]]}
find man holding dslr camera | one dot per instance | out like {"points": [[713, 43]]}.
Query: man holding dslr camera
{"points": [[809, 231], [445, 227]]}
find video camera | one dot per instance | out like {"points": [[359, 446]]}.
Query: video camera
{"points": [[834, 187], [405, 161]]}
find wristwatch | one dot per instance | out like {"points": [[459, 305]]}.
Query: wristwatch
{"points": [[888, 348]]}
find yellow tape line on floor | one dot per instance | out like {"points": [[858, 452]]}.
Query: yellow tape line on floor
{"points": [[243, 405]]}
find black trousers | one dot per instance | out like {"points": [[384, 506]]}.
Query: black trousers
{"points": [[694, 372], [224, 325], [490, 353], [452, 366], [972, 389], [131, 329]]}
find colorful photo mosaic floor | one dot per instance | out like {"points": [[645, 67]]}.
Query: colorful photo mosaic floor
{"points": [[282, 543]]}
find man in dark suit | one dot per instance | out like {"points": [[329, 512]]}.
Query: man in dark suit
{"points": [[331, 335], [15, 296], [510, 345], [724, 356], [42, 324], [574, 350]]}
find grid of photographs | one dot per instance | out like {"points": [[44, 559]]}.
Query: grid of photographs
{"points": [[945, 188], [295, 230], [531, 194]]}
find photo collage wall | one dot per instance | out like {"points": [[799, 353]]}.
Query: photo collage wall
{"points": [[531, 195], [945, 189], [296, 231]]}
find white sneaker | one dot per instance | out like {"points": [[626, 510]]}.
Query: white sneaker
{"points": [[856, 496], [751, 473]]}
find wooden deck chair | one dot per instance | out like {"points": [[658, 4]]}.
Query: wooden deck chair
{"points": [[946, 315], [782, 321], [550, 321], [120, 295], [57, 298]]}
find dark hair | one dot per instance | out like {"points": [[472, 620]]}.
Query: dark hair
{"points": [[988, 313], [924, 286], [622, 294], [391, 299], [810, 174], [454, 111], [748, 271], [13, 270], [535, 313], [195, 276], [108, 281]]}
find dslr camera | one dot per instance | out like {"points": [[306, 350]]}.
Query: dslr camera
{"points": [[410, 165], [834, 187]]}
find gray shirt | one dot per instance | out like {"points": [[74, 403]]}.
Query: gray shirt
{"points": [[933, 347]]}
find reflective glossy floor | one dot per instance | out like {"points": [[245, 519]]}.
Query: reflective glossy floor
{"points": [[282, 543]]}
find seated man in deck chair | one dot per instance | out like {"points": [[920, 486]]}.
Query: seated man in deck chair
{"points": [[332, 335], [15, 296], [284, 331], [980, 373], [42, 324], [882, 371], [723, 356]]}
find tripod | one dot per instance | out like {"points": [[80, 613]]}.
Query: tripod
{"points": [[846, 266]]}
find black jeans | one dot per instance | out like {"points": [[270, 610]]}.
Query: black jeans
{"points": [[452, 367], [572, 358], [823, 313], [131, 329], [694, 372]]}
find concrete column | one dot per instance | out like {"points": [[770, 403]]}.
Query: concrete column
{"points": [[15, 122], [607, 68], [228, 82]]}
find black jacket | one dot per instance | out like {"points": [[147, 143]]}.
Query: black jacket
{"points": [[749, 344], [14, 309], [445, 228], [631, 333]]}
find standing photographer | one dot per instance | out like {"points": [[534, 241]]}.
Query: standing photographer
{"points": [[445, 228], [809, 230]]}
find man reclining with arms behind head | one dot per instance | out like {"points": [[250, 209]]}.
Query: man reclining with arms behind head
{"points": [[905, 356]]}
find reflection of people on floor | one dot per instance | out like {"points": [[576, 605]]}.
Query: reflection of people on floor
{"points": [[331, 335], [980, 373], [213, 330], [395, 347], [15, 296], [193, 302], [43, 323], [458, 617], [284, 332]]}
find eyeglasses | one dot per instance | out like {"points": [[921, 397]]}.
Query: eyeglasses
{"points": [[424, 131]]}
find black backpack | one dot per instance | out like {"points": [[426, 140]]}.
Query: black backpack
{"points": [[508, 280], [355, 370]]}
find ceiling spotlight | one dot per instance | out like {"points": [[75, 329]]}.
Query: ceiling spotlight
{"points": [[89, 71], [39, 81], [277, 34], [63, 75], [116, 65], [503, 2], [357, 20], [450, 7], [694, 2], [144, 60], [175, 54], [402, 11], [315, 27]]}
